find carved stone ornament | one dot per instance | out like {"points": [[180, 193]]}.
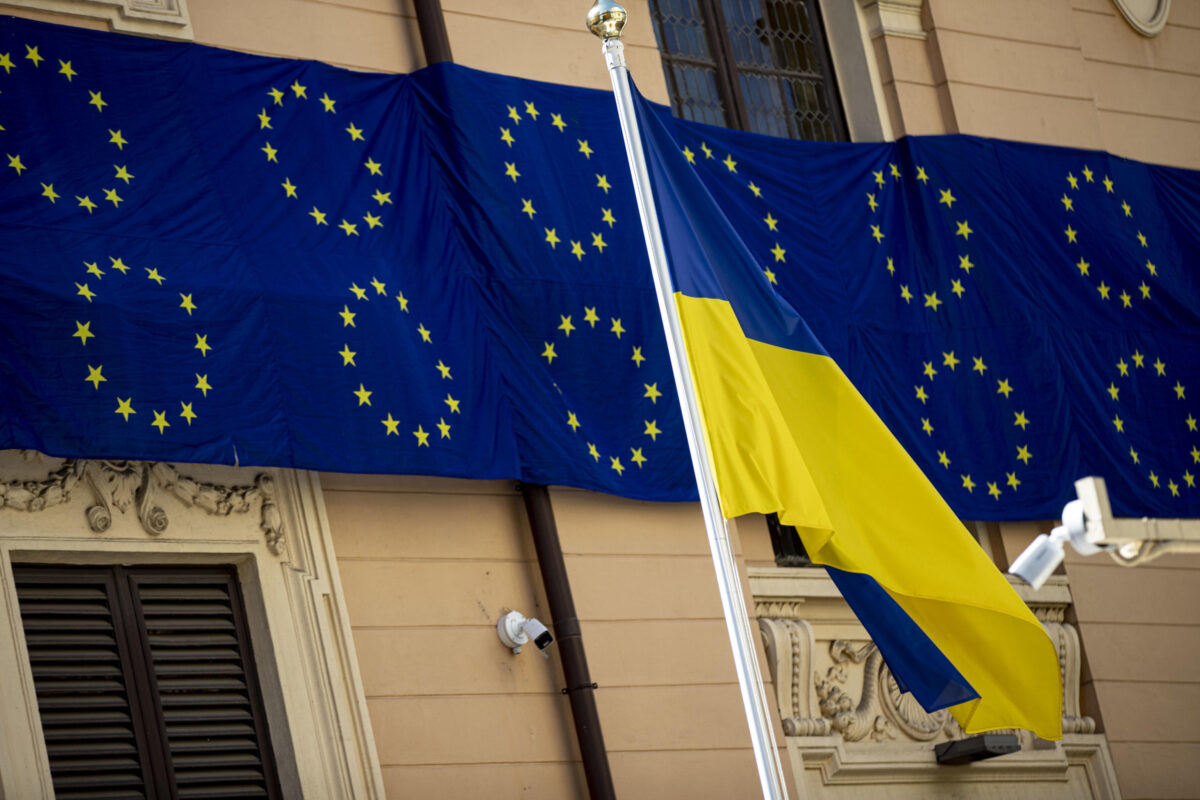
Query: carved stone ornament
{"points": [[140, 484]]}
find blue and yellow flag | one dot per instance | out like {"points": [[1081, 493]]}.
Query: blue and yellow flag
{"points": [[789, 433]]}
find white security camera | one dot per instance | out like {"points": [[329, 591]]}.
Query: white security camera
{"points": [[514, 630], [1042, 557]]}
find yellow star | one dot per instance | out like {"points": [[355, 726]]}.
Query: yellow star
{"points": [[1134, 455], [616, 327], [932, 301], [598, 242], [48, 192], [637, 456], [1139, 360], [637, 357], [652, 429], [1023, 454], [778, 252], [86, 203], [122, 174], [1087, 174], [15, 163], [1114, 392], [1104, 290], [943, 459], [373, 166], [557, 121], [271, 152], [527, 207], [1191, 422], [328, 102], [1068, 203], [1159, 367], [347, 317], [1123, 366], [891, 266], [363, 395], [957, 287], [548, 353], [949, 360], [359, 292], [347, 356], [583, 148], [115, 137], [403, 301], [356, 134], [964, 230], [577, 250], [97, 101], [64, 68], [452, 404], [318, 216], [652, 392], [299, 90], [186, 412], [84, 291], [871, 202], [1190, 479], [275, 95], [202, 345], [921, 176], [1154, 480], [1145, 290], [350, 228], [993, 490], [202, 384], [160, 421], [83, 332], [382, 197], [964, 263], [372, 221], [877, 234], [531, 110], [514, 115], [1128, 209], [947, 197], [1020, 421], [422, 436], [1141, 237], [607, 216], [187, 304], [708, 153], [443, 427], [616, 464], [565, 326], [894, 170], [602, 182], [1108, 184], [1195, 453], [1174, 487], [1179, 390], [94, 376], [906, 294], [379, 286], [1002, 387], [444, 370], [289, 188], [1070, 232], [878, 177], [689, 155], [929, 370], [1083, 266], [978, 366], [425, 334], [1013, 480], [1118, 423], [264, 120], [922, 395], [33, 55], [589, 316], [125, 407], [730, 164], [391, 424], [1150, 266], [573, 420], [753, 187], [927, 426], [552, 238], [770, 277], [111, 196], [510, 170]]}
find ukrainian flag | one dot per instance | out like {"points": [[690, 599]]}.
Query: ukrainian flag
{"points": [[790, 434]]}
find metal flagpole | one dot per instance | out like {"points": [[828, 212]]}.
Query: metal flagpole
{"points": [[606, 19]]}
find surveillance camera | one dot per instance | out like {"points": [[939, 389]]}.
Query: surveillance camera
{"points": [[1040, 559], [514, 630]]}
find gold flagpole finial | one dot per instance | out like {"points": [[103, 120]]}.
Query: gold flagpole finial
{"points": [[606, 19]]}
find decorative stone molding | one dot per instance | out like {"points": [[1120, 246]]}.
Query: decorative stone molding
{"points": [[140, 484], [1147, 17], [893, 18], [162, 18]]}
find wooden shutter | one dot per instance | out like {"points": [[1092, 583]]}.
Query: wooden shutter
{"points": [[146, 683]]}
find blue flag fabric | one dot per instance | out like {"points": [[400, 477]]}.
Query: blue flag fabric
{"points": [[208, 256]]}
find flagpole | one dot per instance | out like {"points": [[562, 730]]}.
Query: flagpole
{"points": [[606, 19]]}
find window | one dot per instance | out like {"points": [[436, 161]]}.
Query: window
{"points": [[145, 680], [755, 65]]}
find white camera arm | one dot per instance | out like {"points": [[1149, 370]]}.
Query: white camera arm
{"points": [[1131, 541]]}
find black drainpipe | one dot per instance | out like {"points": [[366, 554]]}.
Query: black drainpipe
{"points": [[580, 688], [432, 25]]}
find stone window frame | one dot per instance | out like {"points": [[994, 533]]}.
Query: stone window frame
{"points": [[165, 19]]}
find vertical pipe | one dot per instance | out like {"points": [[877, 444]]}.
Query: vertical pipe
{"points": [[432, 25], [580, 688]]}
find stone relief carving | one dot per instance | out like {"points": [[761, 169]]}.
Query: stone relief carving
{"points": [[854, 721], [141, 485]]}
